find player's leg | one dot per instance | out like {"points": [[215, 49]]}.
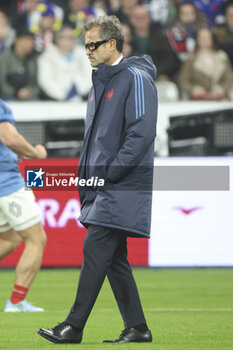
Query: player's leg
{"points": [[30, 260], [27, 268], [9, 241], [23, 215]]}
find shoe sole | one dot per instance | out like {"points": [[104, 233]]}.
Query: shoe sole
{"points": [[46, 336], [13, 310], [123, 342], [54, 340]]}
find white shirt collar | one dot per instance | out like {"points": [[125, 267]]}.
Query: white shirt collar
{"points": [[118, 60]]}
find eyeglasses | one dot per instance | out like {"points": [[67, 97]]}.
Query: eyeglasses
{"points": [[94, 45]]}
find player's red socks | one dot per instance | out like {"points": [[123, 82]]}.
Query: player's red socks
{"points": [[18, 294]]}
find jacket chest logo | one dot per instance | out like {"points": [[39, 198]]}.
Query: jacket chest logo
{"points": [[91, 98], [109, 94]]}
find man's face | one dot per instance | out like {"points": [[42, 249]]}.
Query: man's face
{"points": [[187, 14], [26, 44], [103, 53], [66, 40], [140, 18], [77, 5], [31, 4], [47, 23]]}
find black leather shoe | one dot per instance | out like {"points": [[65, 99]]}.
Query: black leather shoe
{"points": [[132, 335], [61, 334]]}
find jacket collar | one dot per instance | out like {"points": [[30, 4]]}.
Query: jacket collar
{"points": [[105, 73]]}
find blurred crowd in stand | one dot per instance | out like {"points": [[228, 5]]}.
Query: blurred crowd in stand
{"points": [[42, 54]]}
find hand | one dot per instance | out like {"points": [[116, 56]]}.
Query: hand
{"points": [[24, 94], [41, 151]]}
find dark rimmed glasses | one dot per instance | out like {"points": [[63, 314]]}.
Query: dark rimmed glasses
{"points": [[92, 46]]}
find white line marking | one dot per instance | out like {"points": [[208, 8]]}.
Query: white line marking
{"points": [[176, 310], [154, 310], [161, 310]]}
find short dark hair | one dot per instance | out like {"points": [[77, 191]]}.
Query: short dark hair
{"points": [[110, 28], [23, 32]]}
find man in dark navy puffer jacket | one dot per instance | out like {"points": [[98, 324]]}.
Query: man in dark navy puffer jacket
{"points": [[119, 147]]}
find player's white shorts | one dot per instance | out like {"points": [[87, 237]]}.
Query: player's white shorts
{"points": [[18, 210]]}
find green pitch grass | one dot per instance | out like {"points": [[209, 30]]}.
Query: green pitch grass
{"points": [[186, 309]]}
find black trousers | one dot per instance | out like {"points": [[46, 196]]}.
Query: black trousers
{"points": [[105, 253]]}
